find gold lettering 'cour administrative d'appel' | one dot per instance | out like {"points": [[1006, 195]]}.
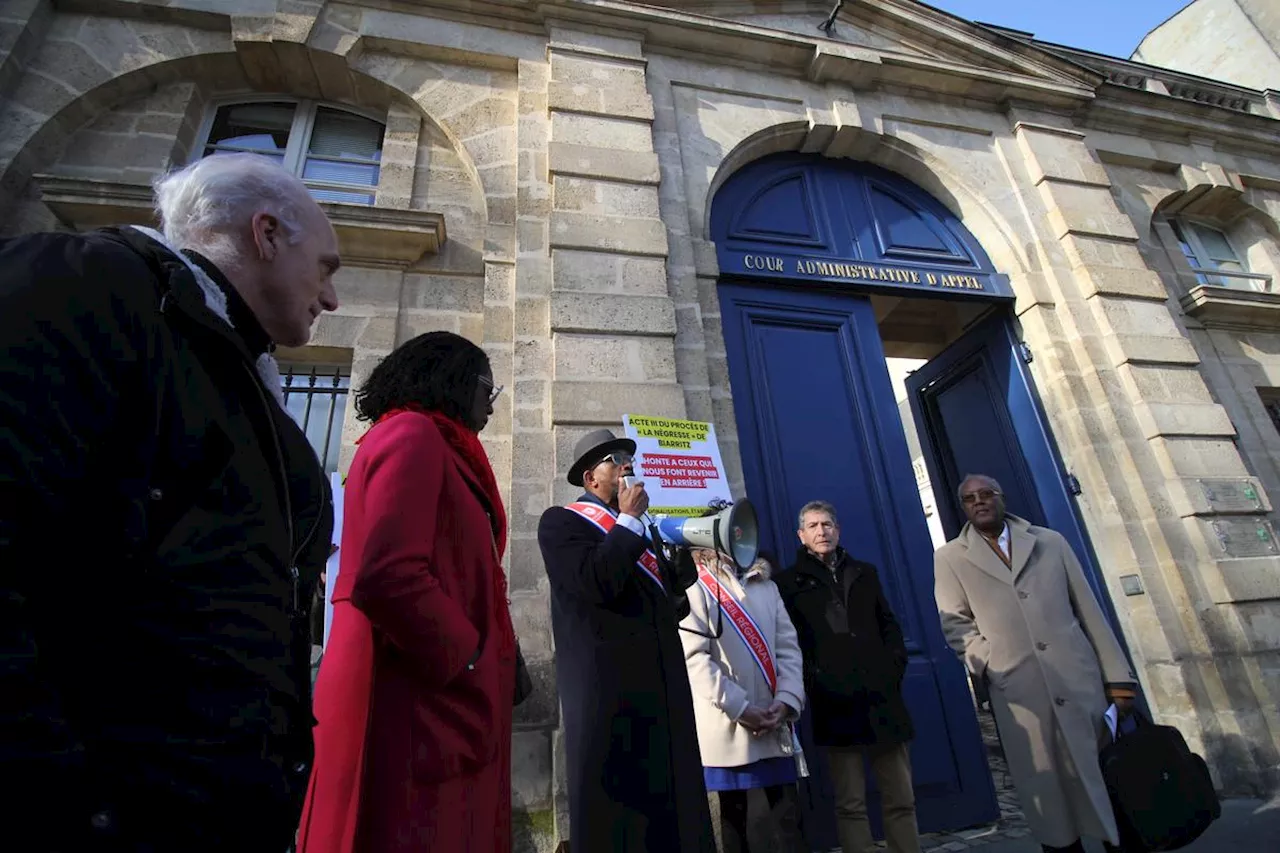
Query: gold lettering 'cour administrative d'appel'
{"points": [[862, 272]]}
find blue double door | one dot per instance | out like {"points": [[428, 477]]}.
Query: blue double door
{"points": [[817, 419]]}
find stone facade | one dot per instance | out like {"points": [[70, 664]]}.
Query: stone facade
{"points": [[1237, 41], [545, 189]]}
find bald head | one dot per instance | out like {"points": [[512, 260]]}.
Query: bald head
{"points": [[259, 225]]}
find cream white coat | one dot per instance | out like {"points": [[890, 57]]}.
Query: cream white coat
{"points": [[725, 677]]}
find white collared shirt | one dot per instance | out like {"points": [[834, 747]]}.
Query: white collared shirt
{"points": [[632, 523], [1003, 542]]}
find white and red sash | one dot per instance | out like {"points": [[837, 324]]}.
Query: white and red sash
{"points": [[603, 519], [746, 627]]}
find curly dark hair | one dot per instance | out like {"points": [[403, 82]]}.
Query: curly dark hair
{"points": [[438, 371]]}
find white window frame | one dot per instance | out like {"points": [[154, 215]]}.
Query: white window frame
{"points": [[304, 122], [1184, 230]]}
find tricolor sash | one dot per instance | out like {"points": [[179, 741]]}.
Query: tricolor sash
{"points": [[746, 627], [603, 519]]}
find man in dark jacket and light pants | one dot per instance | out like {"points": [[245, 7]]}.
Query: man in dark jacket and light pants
{"points": [[162, 520], [854, 661], [635, 773]]}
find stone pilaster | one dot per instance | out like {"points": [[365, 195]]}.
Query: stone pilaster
{"points": [[533, 766], [1133, 416], [612, 323]]}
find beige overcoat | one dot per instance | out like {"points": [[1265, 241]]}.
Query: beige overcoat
{"points": [[1037, 632]]}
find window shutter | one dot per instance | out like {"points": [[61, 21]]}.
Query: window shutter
{"points": [[346, 137]]}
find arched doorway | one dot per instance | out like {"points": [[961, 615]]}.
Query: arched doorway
{"points": [[830, 272]]}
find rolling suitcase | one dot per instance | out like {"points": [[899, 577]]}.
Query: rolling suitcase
{"points": [[1161, 792]]}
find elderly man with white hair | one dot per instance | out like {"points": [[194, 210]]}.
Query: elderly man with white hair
{"points": [[162, 521]]}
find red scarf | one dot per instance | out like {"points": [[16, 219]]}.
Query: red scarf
{"points": [[467, 445]]}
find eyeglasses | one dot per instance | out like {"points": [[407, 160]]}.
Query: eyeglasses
{"points": [[619, 458], [981, 494], [494, 390]]}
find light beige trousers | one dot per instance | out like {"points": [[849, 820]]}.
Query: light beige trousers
{"points": [[891, 765]]}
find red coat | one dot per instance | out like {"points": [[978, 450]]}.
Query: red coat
{"points": [[413, 749]]}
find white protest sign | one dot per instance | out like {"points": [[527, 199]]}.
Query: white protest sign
{"points": [[679, 462], [331, 569]]}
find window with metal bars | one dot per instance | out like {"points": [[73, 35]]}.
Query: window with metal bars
{"points": [[316, 398]]}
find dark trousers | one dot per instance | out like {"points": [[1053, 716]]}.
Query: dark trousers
{"points": [[782, 808]]}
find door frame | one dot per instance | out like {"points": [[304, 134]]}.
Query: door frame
{"points": [[1048, 472], [974, 800]]}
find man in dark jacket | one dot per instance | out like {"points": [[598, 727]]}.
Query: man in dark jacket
{"points": [[635, 773], [854, 660], [162, 520]]}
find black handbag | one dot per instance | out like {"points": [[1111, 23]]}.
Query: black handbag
{"points": [[1161, 791], [524, 682]]}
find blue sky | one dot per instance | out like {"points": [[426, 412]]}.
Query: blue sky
{"points": [[1113, 27]]}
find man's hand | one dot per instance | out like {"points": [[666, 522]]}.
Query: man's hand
{"points": [[755, 720], [632, 500]]}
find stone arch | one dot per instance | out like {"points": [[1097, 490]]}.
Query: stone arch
{"points": [[1223, 204], [988, 226], [51, 104]]}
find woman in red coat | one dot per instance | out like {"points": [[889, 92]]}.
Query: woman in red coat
{"points": [[414, 697]]}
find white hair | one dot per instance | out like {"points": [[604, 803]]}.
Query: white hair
{"points": [[207, 206]]}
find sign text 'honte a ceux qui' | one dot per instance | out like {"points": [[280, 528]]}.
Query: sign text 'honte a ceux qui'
{"points": [[860, 272]]}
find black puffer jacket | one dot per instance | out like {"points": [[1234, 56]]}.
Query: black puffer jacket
{"points": [[854, 654], [162, 522]]}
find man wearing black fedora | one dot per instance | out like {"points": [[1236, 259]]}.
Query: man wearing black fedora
{"points": [[635, 773]]}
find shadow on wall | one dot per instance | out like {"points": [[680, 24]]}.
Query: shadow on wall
{"points": [[1235, 758]]}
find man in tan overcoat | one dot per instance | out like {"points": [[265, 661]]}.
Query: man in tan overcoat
{"points": [[1016, 607]]}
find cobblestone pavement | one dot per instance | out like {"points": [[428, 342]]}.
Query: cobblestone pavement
{"points": [[1008, 827], [1010, 824]]}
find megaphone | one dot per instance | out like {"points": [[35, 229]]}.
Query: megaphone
{"points": [[732, 532]]}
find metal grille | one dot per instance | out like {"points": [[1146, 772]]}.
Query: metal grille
{"points": [[316, 398]]}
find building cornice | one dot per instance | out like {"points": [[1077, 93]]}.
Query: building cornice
{"points": [[1098, 90]]}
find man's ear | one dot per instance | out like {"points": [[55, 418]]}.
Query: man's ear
{"points": [[266, 235]]}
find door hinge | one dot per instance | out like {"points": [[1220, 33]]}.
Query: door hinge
{"points": [[1024, 349], [1073, 484]]}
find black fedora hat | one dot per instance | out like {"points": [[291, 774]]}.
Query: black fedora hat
{"points": [[593, 447]]}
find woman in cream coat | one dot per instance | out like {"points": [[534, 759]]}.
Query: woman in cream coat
{"points": [[744, 725]]}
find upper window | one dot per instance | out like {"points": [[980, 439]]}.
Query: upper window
{"points": [[336, 152], [1212, 257]]}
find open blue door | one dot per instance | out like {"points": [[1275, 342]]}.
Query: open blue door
{"points": [[977, 413], [817, 420]]}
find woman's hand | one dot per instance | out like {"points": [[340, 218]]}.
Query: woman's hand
{"points": [[755, 720], [778, 713]]}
